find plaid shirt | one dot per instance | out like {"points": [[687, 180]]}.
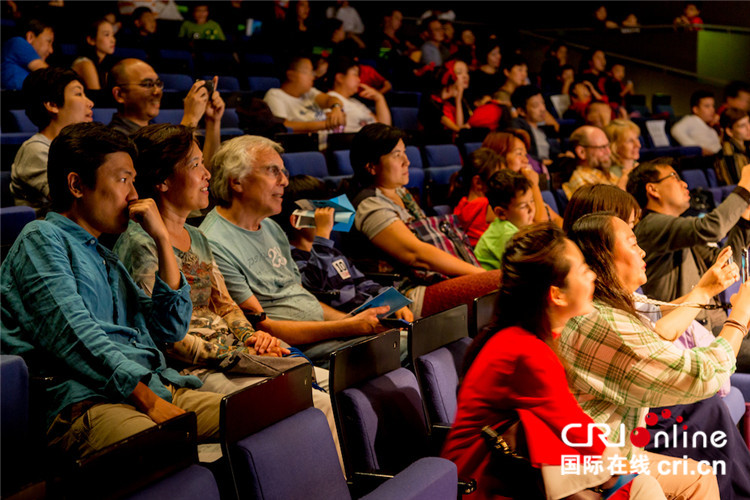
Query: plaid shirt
{"points": [[619, 367], [586, 176]]}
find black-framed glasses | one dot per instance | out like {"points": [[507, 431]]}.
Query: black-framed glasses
{"points": [[275, 171], [673, 174], [147, 84]]}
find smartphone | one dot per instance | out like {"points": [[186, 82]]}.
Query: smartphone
{"points": [[745, 266], [209, 86]]}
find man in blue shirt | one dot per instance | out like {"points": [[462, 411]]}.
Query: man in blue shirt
{"points": [[22, 55], [72, 311]]}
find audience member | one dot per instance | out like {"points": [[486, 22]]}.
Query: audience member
{"points": [[54, 98], [555, 59], [163, 9], [138, 90], [487, 78], [201, 27], [466, 48], [735, 127], [696, 129], [22, 55], [736, 95], [473, 211], [516, 74], [298, 33], [143, 34], [445, 112], [325, 271], [390, 39], [615, 87], [302, 106], [255, 259], [598, 114], [70, 307], [343, 77], [433, 51], [680, 249], [513, 373], [511, 199], [690, 18], [600, 19], [601, 198], [595, 64], [582, 93], [351, 22], [95, 61], [625, 146], [591, 148], [384, 208], [529, 103], [656, 372]]}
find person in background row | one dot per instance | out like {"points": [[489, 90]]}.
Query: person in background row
{"points": [[445, 112], [487, 78], [433, 51], [22, 55], [736, 95], [96, 60], [735, 127], [201, 27], [624, 144], [54, 98], [473, 211], [696, 129], [344, 81]]}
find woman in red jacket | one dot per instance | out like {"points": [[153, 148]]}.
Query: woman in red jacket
{"points": [[513, 371]]}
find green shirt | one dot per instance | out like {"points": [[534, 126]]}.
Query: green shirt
{"points": [[491, 244], [210, 30]]}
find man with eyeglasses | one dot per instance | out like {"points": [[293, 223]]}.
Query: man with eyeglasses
{"points": [[679, 250], [591, 149], [138, 90]]}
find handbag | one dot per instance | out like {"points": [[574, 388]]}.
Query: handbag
{"points": [[444, 232], [510, 467]]}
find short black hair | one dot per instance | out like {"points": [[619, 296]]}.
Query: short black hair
{"points": [[81, 148], [138, 13], [695, 99], [161, 147], [730, 116], [46, 85], [734, 88], [338, 65], [371, 142], [511, 60], [643, 174], [522, 95], [504, 185], [300, 187], [36, 26]]}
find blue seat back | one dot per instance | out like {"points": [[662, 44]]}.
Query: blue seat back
{"points": [[416, 179], [439, 374], [470, 147], [415, 157], [293, 458], [550, 200], [694, 178], [12, 222], [23, 123], [173, 116], [104, 115], [14, 418], [441, 175], [405, 118], [193, 483], [343, 162], [306, 163], [262, 83], [442, 155], [130, 53], [176, 82]]}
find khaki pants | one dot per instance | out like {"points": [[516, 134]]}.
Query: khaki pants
{"points": [[104, 424], [679, 483]]}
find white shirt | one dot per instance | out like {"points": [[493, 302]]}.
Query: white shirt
{"points": [[357, 114], [297, 109], [691, 130]]}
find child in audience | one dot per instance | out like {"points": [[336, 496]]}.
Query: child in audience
{"points": [[326, 272], [512, 203], [445, 113], [473, 209], [201, 27]]}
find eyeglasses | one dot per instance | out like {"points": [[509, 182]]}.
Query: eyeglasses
{"points": [[604, 146], [673, 174], [147, 84], [275, 171]]}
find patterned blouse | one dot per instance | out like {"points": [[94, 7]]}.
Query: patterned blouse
{"points": [[218, 326]]}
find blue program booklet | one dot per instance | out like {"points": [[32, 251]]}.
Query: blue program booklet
{"points": [[389, 297]]}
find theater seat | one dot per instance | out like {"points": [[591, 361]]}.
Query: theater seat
{"points": [[306, 163]]}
